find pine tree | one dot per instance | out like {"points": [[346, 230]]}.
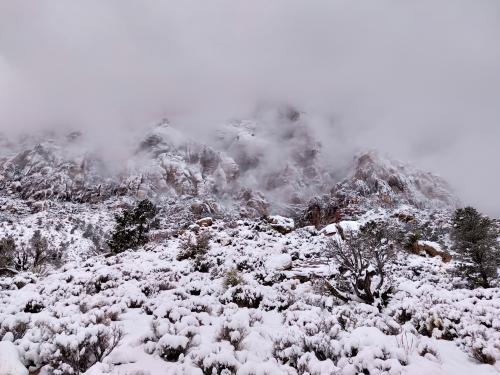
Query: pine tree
{"points": [[475, 239], [7, 252], [132, 227]]}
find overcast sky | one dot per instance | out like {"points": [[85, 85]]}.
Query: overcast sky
{"points": [[417, 79]]}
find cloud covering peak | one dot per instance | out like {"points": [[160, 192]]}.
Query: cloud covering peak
{"points": [[417, 79]]}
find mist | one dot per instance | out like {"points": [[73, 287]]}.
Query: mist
{"points": [[419, 80]]}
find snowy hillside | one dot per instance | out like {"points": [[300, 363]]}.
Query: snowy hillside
{"points": [[224, 284]]}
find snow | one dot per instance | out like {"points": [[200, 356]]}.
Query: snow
{"points": [[279, 261], [329, 229], [177, 320], [10, 363], [349, 226]]}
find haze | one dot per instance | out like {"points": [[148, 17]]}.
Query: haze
{"points": [[419, 80]]}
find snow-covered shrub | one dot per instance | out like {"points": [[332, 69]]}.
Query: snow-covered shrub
{"points": [[34, 305], [311, 333], [269, 277], [17, 325], [482, 351], [243, 295], [468, 317], [281, 298], [102, 281], [68, 347], [194, 246], [171, 340], [232, 278], [233, 331], [427, 351], [170, 347], [362, 260], [217, 358], [7, 252]]}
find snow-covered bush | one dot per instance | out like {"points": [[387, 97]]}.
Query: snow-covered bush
{"points": [[17, 325], [233, 331], [362, 259], [171, 341], [194, 246], [217, 358], [68, 347], [243, 295], [232, 279]]}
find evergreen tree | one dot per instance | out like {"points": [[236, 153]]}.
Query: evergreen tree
{"points": [[132, 227], [7, 252], [475, 239], [39, 249]]}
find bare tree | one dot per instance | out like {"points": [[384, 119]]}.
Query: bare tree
{"points": [[361, 259]]}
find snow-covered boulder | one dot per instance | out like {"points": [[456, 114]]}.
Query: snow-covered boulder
{"points": [[282, 224], [329, 230], [10, 364], [279, 262], [348, 226]]}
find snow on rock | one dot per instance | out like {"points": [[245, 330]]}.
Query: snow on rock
{"points": [[10, 364], [279, 262], [329, 230], [347, 226], [282, 224]]}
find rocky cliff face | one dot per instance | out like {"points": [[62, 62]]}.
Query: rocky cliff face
{"points": [[242, 171], [374, 181]]}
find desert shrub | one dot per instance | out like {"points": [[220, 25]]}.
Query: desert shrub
{"points": [[481, 351], [194, 246], [17, 325], [217, 358], [34, 256], [481, 354], [232, 278], [33, 306], [411, 241], [425, 350], [132, 227], [475, 239], [233, 331], [171, 340], [69, 349], [310, 336], [281, 300], [362, 259], [243, 295]]}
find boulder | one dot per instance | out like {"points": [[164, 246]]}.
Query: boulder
{"points": [[279, 262], [205, 222], [432, 249], [330, 230], [282, 224]]}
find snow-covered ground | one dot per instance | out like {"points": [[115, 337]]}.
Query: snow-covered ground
{"points": [[165, 317]]}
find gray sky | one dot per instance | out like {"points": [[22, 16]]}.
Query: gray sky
{"points": [[417, 79]]}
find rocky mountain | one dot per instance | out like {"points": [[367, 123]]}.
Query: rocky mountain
{"points": [[232, 274], [239, 172]]}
